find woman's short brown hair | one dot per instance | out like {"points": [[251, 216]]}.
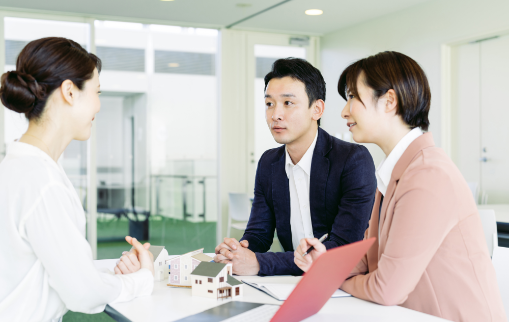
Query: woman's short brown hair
{"points": [[392, 70]]}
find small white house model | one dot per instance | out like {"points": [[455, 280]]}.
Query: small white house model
{"points": [[160, 259], [181, 267], [214, 280]]}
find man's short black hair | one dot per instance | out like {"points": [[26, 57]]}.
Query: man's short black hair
{"points": [[303, 71]]}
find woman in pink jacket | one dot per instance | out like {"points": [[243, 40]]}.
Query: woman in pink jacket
{"points": [[431, 254]]}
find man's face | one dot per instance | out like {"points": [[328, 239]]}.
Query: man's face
{"points": [[287, 109]]}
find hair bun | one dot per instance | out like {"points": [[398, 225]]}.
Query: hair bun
{"points": [[20, 92]]}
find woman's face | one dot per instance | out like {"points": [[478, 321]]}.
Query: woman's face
{"points": [[364, 120], [86, 107]]}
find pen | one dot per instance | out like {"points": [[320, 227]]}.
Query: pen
{"points": [[311, 248]]}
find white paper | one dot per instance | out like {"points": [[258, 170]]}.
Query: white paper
{"points": [[282, 291]]}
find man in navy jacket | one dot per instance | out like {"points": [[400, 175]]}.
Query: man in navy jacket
{"points": [[312, 185]]}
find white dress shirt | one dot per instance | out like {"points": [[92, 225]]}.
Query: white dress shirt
{"points": [[46, 263], [298, 177], [384, 170]]}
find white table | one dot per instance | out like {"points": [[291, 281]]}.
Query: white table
{"points": [[170, 304]]}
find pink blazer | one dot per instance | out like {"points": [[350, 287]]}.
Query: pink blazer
{"points": [[431, 254]]}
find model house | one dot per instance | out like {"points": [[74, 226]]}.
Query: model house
{"points": [[214, 280], [181, 267], [160, 261]]}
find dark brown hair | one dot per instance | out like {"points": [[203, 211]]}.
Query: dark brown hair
{"points": [[42, 66], [392, 70]]}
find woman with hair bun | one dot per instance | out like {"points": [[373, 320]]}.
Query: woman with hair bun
{"points": [[47, 265], [430, 255]]}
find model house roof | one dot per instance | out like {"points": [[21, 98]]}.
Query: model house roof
{"points": [[202, 257], [208, 269], [156, 250], [232, 280], [193, 252]]}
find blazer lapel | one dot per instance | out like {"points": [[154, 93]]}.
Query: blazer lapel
{"points": [[372, 231], [281, 201], [318, 183], [387, 199], [422, 142]]}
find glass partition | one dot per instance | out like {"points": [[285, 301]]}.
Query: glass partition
{"points": [[156, 137]]}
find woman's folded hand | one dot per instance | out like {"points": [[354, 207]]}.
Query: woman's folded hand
{"points": [[138, 257]]}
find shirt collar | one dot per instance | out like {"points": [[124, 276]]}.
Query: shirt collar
{"points": [[384, 170], [305, 162], [17, 148]]}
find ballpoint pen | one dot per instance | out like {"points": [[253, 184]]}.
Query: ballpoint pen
{"points": [[311, 248]]}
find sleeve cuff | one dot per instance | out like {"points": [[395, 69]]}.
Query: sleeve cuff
{"points": [[265, 268], [134, 285]]}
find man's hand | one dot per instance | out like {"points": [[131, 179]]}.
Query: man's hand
{"points": [[304, 262], [137, 258], [224, 250], [244, 260]]}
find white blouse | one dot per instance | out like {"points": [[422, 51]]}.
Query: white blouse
{"points": [[384, 170], [46, 265]]}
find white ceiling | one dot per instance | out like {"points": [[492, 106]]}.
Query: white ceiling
{"points": [[288, 17]]}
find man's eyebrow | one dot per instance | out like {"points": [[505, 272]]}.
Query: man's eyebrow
{"points": [[282, 95]]}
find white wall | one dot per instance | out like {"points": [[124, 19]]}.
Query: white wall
{"points": [[417, 32]]}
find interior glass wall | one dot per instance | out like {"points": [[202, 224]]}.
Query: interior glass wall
{"points": [[156, 137]]}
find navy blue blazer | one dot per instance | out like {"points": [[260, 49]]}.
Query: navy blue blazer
{"points": [[341, 195]]}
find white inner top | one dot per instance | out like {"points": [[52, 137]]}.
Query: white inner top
{"points": [[384, 170], [298, 176]]}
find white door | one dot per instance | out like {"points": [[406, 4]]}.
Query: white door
{"points": [[262, 51], [480, 133], [494, 116]]}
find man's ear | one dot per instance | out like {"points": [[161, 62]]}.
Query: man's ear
{"points": [[68, 91], [392, 101], [318, 109]]}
